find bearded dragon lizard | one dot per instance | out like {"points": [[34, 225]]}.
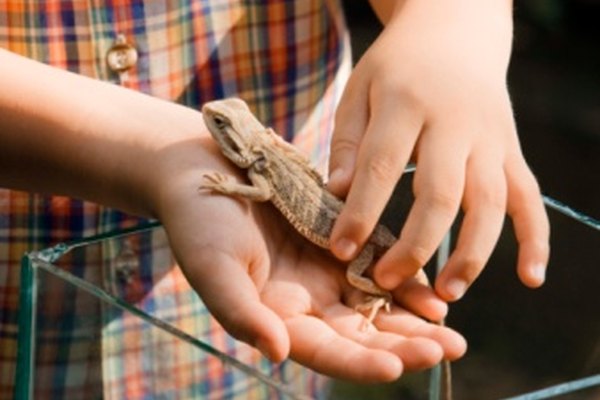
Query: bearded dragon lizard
{"points": [[279, 173]]}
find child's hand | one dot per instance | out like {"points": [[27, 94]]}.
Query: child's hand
{"points": [[432, 89], [268, 288], [148, 157]]}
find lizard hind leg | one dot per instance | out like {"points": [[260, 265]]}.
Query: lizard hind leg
{"points": [[355, 273], [373, 304], [377, 297]]}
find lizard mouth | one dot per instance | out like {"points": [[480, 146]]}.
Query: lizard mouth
{"points": [[225, 138], [231, 144]]}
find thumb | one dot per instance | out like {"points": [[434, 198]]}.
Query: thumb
{"points": [[232, 298], [341, 165], [351, 120]]}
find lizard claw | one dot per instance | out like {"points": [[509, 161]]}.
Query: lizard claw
{"points": [[373, 304], [215, 181]]}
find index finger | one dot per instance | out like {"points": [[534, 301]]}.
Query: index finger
{"points": [[438, 188], [384, 152]]}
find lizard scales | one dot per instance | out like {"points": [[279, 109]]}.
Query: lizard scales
{"points": [[281, 174]]}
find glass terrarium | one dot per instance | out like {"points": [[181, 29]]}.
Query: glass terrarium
{"points": [[521, 341]]}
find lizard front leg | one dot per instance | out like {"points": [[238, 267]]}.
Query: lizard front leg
{"points": [[228, 185], [378, 298]]}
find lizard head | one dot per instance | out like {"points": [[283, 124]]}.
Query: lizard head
{"points": [[234, 127]]}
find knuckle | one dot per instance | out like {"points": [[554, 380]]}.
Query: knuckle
{"points": [[417, 256], [383, 169], [342, 143], [495, 199], [491, 197], [411, 96], [343, 152], [442, 199]]}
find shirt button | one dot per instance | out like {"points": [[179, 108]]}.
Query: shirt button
{"points": [[121, 56]]}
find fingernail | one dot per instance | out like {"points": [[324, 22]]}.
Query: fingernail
{"points": [[538, 272], [345, 248], [456, 288]]}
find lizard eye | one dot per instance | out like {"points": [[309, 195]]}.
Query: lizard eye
{"points": [[219, 122]]}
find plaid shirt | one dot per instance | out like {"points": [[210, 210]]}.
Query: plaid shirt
{"points": [[288, 59]]}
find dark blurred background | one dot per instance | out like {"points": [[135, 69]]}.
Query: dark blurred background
{"points": [[519, 339]]}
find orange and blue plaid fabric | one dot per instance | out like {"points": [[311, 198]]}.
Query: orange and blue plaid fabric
{"points": [[288, 59]]}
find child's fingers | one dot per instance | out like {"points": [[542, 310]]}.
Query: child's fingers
{"points": [[484, 206], [351, 120], [438, 188], [232, 297], [526, 208], [384, 152]]}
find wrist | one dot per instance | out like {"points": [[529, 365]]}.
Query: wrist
{"points": [[463, 33], [69, 135]]}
